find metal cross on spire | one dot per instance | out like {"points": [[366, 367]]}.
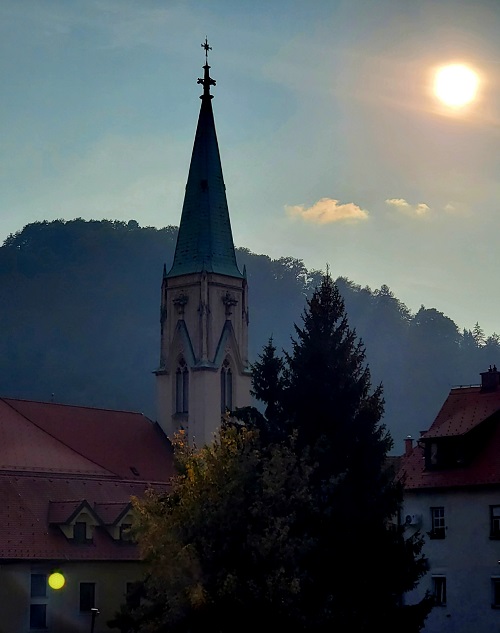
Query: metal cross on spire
{"points": [[207, 48], [207, 81]]}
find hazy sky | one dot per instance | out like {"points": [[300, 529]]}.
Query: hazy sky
{"points": [[334, 148]]}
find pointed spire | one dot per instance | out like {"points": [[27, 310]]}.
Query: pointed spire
{"points": [[205, 240]]}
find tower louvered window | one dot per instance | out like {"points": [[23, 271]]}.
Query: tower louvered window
{"points": [[182, 388], [226, 387]]}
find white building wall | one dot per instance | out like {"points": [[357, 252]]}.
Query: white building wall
{"points": [[467, 557], [200, 303]]}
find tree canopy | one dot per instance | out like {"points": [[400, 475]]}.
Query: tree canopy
{"points": [[79, 322], [289, 518]]}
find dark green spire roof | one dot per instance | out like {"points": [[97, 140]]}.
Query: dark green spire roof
{"points": [[205, 240]]}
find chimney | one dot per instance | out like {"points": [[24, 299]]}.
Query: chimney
{"points": [[490, 380], [408, 445]]}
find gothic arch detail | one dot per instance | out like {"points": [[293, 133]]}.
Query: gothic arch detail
{"points": [[226, 386], [182, 387]]}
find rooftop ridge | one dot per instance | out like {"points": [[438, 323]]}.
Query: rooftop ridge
{"points": [[116, 479], [6, 399]]}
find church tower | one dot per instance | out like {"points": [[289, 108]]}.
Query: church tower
{"points": [[204, 369]]}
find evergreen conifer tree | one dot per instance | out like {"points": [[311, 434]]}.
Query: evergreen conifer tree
{"points": [[361, 564]]}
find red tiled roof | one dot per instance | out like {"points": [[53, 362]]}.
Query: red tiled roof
{"points": [[54, 458], [64, 511], [82, 440], [463, 410], [24, 508], [26, 447], [111, 513]]}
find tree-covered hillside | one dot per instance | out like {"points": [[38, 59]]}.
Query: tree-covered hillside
{"points": [[80, 322]]}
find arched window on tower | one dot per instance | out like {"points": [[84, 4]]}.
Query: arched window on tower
{"points": [[182, 387], [226, 387]]}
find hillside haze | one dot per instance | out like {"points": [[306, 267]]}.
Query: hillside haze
{"points": [[80, 322]]}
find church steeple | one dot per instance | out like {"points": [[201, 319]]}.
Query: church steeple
{"points": [[204, 368], [205, 240]]}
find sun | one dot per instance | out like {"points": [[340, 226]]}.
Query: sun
{"points": [[456, 85]]}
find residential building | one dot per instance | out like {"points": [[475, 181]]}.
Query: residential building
{"points": [[67, 475], [452, 497]]}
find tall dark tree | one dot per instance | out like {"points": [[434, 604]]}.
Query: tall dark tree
{"points": [[327, 400]]}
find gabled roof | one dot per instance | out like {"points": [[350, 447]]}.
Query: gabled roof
{"points": [[63, 512], [205, 240], [465, 409], [112, 512], [56, 460], [49, 437]]}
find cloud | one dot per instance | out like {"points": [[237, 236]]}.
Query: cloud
{"points": [[414, 210], [326, 211]]}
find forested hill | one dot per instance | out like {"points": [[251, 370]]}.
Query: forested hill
{"points": [[80, 322]]}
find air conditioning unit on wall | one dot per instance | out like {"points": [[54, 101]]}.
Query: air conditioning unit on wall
{"points": [[413, 519]]}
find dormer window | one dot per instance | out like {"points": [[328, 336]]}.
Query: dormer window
{"points": [[76, 520], [80, 532], [125, 532], [83, 529], [116, 518]]}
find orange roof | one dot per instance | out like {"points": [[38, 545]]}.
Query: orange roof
{"points": [[55, 458], [464, 409]]}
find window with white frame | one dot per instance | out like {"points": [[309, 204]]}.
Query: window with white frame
{"points": [[438, 530], [226, 387], [439, 590], [495, 522], [182, 387]]}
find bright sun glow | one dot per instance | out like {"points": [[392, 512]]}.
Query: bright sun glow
{"points": [[456, 85]]}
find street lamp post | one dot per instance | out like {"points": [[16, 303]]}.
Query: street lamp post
{"points": [[94, 611]]}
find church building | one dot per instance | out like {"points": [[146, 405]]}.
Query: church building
{"points": [[67, 473], [204, 368]]}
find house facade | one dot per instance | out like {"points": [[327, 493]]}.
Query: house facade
{"points": [[452, 497], [67, 475]]}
